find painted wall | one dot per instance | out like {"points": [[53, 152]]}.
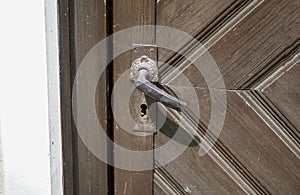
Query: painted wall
{"points": [[24, 159]]}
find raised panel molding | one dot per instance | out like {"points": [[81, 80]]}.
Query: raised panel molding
{"points": [[259, 144]]}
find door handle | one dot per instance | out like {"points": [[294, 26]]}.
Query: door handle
{"points": [[143, 72]]}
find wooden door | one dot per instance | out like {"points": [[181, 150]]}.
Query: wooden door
{"points": [[254, 45], [83, 26]]}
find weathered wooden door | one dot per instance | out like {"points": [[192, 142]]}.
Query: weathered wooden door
{"points": [[255, 45], [250, 51]]}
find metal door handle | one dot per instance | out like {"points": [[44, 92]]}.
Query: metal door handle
{"points": [[143, 71]]}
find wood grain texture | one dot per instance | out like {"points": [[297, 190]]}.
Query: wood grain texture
{"points": [[87, 29], [274, 98], [164, 183], [190, 172], [247, 42], [248, 151], [256, 38], [283, 90], [159, 191], [277, 104], [260, 150], [127, 14], [277, 122], [196, 18], [192, 16], [219, 154]]}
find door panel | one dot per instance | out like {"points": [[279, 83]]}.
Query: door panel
{"points": [[280, 88], [190, 172], [244, 43], [249, 152], [126, 14], [255, 44], [256, 47], [81, 26], [88, 30], [194, 17], [258, 148]]}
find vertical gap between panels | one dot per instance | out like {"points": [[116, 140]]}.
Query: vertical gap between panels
{"points": [[109, 88], [153, 137], [72, 39]]}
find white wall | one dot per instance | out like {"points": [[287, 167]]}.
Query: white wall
{"points": [[23, 98]]}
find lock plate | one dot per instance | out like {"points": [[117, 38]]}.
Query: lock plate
{"points": [[147, 63], [148, 51], [146, 124]]}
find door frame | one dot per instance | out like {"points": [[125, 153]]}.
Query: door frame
{"points": [[61, 18], [54, 101]]}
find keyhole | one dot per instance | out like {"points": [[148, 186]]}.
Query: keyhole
{"points": [[144, 110]]}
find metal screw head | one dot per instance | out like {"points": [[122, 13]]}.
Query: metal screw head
{"points": [[145, 59]]}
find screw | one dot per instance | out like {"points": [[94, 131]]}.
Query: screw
{"points": [[131, 75], [144, 59]]}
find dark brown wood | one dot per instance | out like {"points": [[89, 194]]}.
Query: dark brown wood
{"points": [[258, 39], [222, 171], [87, 28], [192, 16], [244, 41], [285, 80], [248, 151], [190, 173], [258, 148], [127, 14], [65, 89], [256, 46]]}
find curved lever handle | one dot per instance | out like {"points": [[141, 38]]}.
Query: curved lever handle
{"points": [[144, 70], [143, 84]]}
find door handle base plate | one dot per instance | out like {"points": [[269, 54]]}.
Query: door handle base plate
{"points": [[146, 63]]}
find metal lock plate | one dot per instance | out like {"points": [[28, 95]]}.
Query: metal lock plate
{"points": [[142, 50], [144, 57], [146, 63]]}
